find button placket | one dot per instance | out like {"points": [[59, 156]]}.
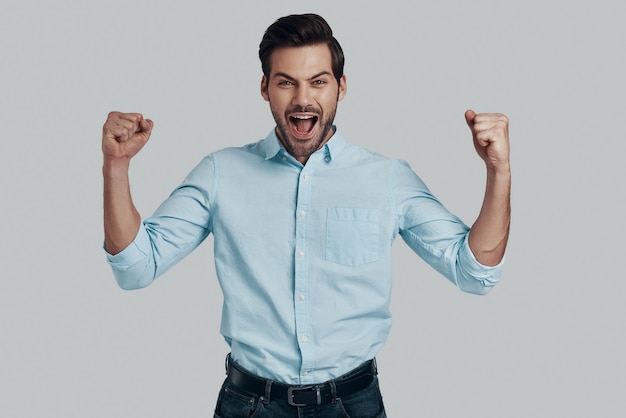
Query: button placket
{"points": [[303, 320]]}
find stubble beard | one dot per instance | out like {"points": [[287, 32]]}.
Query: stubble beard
{"points": [[297, 148]]}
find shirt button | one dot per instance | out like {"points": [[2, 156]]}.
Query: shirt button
{"points": [[300, 254], [305, 176], [301, 298], [302, 214], [304, 338], [305, 373], [327, 159]]}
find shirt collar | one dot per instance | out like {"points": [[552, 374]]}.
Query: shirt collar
{"points": [[273, 147]]}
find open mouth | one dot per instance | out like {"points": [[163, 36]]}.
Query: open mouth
{"points": [[303, 125]]}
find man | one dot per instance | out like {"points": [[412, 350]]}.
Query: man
{"points": [[303, 223]]}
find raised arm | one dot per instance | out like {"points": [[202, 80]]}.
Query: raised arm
{"points": [[123, 136], [490, 232]]}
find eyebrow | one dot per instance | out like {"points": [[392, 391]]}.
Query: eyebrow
{"points": [[287, 76]]}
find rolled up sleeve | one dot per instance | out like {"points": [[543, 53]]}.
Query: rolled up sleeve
{"points": [[439, 237], [133, 267], [176, 228], [474, 277]]}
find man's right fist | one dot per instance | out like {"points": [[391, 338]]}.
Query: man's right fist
{"points": [[124, 134]]}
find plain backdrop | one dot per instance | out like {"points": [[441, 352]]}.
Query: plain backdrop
{"points": [[549, 341]]}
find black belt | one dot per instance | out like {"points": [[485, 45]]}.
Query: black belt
{"points": [[302, 395]]}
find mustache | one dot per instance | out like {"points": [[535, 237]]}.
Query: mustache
{"points": [[303, 109]]}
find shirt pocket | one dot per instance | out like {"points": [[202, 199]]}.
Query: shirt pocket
{"points": [[352, 235]]}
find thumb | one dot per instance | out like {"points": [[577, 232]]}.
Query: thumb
{"points": [[469, 117], [145, 126]]}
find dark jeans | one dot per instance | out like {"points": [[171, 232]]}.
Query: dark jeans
{"points": [[233, 402]]}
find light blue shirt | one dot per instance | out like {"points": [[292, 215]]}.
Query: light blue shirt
{"points": [[303, 253]]}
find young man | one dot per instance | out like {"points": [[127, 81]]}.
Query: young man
{"points": [[303, 223]]}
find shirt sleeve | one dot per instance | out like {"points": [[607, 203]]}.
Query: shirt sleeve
{"points": [[436, 235], [176, 228]]}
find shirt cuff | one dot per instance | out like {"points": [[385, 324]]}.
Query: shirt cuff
{"points": [[489, 275], [133, 253]]}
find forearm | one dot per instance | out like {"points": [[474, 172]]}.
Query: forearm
{"points": [[489, 234], [121, 218]]}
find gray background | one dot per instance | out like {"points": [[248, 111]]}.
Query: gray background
{"points": [[547, 342]]}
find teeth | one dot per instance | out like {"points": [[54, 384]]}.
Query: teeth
{"points": [[303, 117]]}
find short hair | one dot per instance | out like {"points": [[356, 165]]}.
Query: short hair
{"points": [[300, 30]]}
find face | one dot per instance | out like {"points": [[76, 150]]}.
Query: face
{"points": [[303, 95]]}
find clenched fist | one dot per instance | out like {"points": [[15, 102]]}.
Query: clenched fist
{"points": [[491, 138], [124, 134]]}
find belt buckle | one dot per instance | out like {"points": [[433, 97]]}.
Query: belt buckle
{"points": [[291, 390]]}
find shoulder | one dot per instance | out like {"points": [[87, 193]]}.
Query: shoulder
{"points": [[227, 157], [254, 150], [354, 154]]}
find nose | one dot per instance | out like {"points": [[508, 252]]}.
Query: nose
{"points": [[303, 96]]}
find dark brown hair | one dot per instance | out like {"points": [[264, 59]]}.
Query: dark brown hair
{"points": [[300, 30]]}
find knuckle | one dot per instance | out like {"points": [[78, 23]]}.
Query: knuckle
{"points": [[107, 127]]}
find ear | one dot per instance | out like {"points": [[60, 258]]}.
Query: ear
{"points": [[264, 92], [343, 87]]}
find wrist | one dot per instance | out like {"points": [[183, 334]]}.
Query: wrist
{"points": [[115, 167], [499, 170]]}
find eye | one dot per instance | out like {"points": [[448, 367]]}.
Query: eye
{"points": [[285, 83], [319, 82]]}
